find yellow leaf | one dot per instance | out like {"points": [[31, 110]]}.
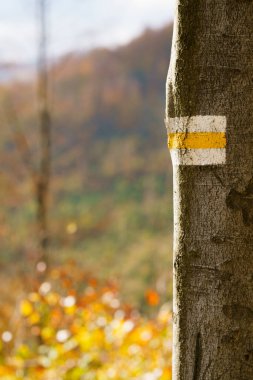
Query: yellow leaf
{"points": [[24, 352], [52, 299], [34, 318], [26, 308], [85, 339], [47, 333]]}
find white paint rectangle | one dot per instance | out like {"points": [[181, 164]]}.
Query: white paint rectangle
{"points": [[197, 124], [198, 156], [197, 140]]}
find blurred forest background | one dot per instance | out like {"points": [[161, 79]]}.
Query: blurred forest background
{"points": [[110, 207]]}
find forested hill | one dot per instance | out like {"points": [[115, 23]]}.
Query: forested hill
{"points": [[107, 108], [111, 167], [110, 104]]}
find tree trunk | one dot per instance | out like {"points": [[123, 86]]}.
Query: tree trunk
{"points": [[42, 189], [43, 178], [210, 126]]}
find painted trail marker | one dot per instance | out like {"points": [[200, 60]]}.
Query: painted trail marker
{"points": [[197, 140]]}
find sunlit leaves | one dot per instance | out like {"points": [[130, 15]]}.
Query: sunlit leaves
{"points": [[26, 308], [73, 328]]}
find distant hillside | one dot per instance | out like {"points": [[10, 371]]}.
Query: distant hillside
{"points": [[111, 96], [101, 98], [111, 167]]}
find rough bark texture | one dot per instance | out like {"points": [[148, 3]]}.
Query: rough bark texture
{"points": [[211, 73]]}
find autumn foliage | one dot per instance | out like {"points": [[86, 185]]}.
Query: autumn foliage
{"points": [[109, 210], [72, 327]]}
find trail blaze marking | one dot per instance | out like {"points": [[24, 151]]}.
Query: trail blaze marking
{"points": [[197, 140]]}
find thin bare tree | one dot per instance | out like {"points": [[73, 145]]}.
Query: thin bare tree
{"points": [[44, 170], [40, 171]]}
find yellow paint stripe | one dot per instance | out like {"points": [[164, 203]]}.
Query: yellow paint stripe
{"points": [[197, 140]]}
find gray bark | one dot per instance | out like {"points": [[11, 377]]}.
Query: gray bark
{"points": [[211, 73]]}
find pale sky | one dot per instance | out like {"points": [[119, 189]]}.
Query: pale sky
{"points": [[77, 24]]}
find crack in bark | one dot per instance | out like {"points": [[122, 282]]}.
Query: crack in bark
{"points": [[219, 179], [238, 312], [198, 357], [242, 202]]}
